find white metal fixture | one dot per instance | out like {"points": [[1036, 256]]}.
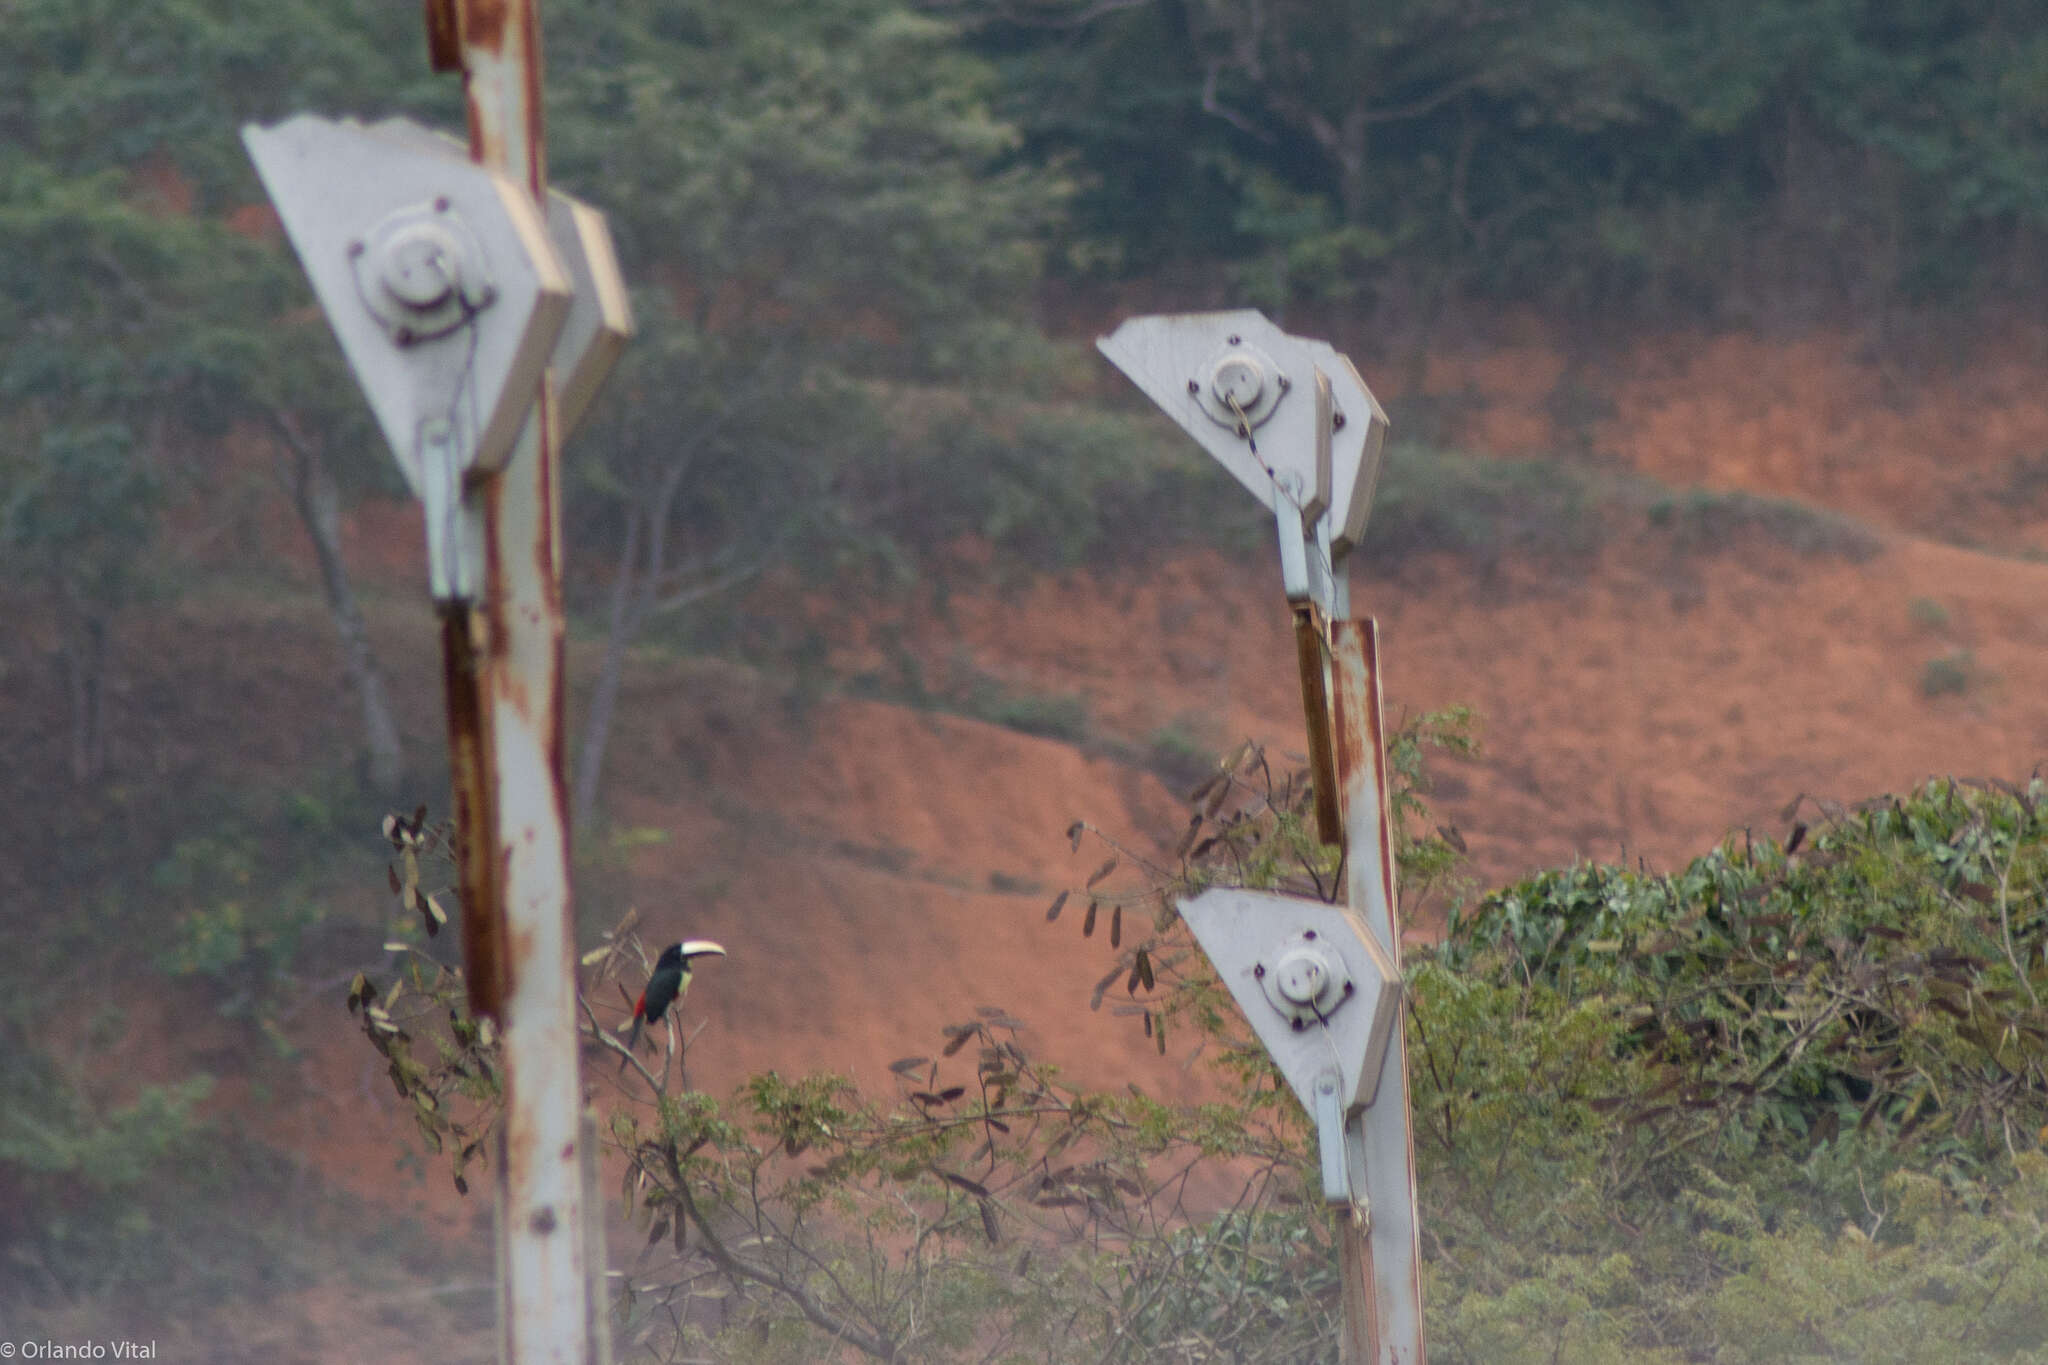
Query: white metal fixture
{"points": [[442, 285], [1288, 416], [1324, 999]]}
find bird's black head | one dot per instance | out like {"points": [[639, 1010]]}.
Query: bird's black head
{"points": [[680, 954]]}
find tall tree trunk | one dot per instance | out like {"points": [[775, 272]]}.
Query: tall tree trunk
{"points": [[1353, 189], [628, 610], [646, 586], [96, 695], [85, 657], [318, 501]]}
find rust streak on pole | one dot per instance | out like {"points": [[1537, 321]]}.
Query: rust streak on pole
{"points": [[1312, 654], [476, 863], [1361, 756], [1360, 1328]]}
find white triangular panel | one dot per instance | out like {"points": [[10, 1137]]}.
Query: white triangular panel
{"points": [[1246, 933], [332, 182], [1174, 359]]}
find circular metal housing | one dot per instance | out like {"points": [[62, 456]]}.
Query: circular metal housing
{"points": [[422, 272], [1246, 376], [1306, 981], [421, 266]]}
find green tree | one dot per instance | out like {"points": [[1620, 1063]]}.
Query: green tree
{"points": [[1327, 136], [1596, 154], [124, 340], [813, 194], [79, 1174], [135, 314]]}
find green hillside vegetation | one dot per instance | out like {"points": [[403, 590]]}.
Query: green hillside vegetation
{"points": [[1777, 1105]]}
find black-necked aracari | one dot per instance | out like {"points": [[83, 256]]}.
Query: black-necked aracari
{"points": [[671, 978]]}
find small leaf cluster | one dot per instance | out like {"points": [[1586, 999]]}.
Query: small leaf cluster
{"points": [[441, 1061]]}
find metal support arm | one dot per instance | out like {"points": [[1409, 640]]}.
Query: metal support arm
{"points": [[1294, 552], [1330, 1139], [453, 544]]}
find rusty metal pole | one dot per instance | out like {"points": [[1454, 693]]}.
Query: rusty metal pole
{"points": [[505, 682], [474, 359], [1226, 379], [1380, 1247]]}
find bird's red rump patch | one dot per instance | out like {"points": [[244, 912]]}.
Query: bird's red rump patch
{"points": [[640, 1008]]}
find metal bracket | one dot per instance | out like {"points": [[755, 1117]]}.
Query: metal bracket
{"points": [[1340, 1148], [1354, 1166], [454, 549], [1324, 999], [1289, 520], [1306, 570], [1328, 586], [1330, 1139]]}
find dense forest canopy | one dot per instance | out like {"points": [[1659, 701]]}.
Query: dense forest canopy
{"points": [[1575, 150], [867, 189]]}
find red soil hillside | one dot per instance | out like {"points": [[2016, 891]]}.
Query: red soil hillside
{"points": [[1944, 438], [1617, 722], [1625, 711], [880, 871]]}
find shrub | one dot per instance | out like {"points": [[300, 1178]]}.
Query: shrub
{"points": [[1951, 674]]}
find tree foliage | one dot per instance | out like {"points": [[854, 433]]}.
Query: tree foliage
{"points": [[80, 1171], [118, 319], [836, 249], [1757, 1080], [141, 325], [1579, 150]]}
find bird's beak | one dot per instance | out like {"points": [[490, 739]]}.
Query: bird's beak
{"points": [[701, 947]]}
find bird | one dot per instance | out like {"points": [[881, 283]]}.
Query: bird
{"points": [[671, 978]]}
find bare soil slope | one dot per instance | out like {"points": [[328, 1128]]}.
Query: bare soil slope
{"points": [[881, 870]]}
